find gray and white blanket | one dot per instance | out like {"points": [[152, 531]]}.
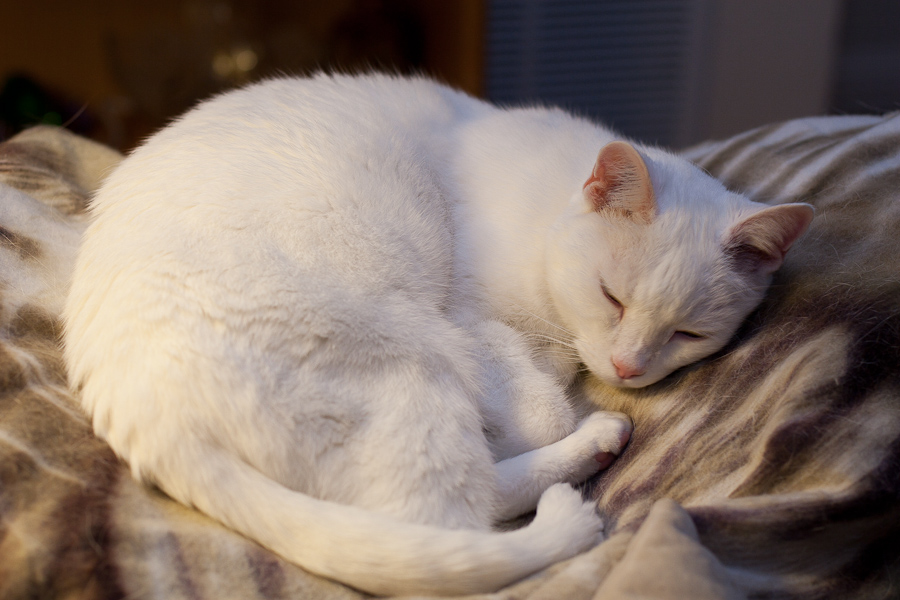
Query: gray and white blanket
{"points": [[771, 470]]}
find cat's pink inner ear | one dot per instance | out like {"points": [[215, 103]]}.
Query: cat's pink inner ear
{"points": [[760, 242], [620, 183]]}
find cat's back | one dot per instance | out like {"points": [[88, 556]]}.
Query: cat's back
{"points": [[288, 136], [290, 198], [327, 173], [303, 131]]}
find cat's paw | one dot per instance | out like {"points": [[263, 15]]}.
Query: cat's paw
{"points": [[598, 440], [610, 431], [564, 511]]}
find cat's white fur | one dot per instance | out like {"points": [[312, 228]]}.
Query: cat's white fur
{"points": [[340, 315]]}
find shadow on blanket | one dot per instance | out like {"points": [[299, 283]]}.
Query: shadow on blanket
{"points": [[770, 470]]}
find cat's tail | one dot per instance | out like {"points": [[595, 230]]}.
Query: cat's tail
{"points": [[380, 554]]}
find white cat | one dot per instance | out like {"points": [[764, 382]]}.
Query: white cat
{"points": [[340, 315]]}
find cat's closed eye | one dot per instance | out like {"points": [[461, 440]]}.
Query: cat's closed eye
{"points": [[612, 299], [688, 335]]}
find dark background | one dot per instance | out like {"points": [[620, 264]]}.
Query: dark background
{"points": [[667, 71]]}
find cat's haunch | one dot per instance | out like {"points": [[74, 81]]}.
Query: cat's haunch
{"points": [[342, 315]]}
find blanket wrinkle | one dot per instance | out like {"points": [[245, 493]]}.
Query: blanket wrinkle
{"points": [[666, 560]]}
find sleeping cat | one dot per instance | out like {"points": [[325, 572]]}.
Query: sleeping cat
{"points": [[341, 315]]}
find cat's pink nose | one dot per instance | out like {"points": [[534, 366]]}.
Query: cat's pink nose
{"points": [[626, 371]]}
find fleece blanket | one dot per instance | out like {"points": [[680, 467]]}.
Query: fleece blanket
{"points": [[771, 470]]}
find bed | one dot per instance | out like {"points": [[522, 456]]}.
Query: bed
{"points": [[770, 470]]}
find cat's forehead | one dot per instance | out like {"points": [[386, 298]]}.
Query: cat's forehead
{"points": [[686, 231], [657, 267], [682, 292], [672, 266]]}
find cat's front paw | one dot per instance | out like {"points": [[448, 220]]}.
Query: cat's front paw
{"points": [[600, 438], [610, 430]]}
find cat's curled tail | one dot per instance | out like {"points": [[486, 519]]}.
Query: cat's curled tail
{"points": [[380, 554]]}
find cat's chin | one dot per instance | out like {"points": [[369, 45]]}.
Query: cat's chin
{"points": [[631, 383]]}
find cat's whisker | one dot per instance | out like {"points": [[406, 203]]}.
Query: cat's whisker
{"points": [[529, 313], [566, 356], [553, 340]]}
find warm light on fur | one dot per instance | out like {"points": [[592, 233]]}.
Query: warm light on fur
{"points": [[340, 315]]}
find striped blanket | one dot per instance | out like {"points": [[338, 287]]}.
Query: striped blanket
{"points": [[771, 470]]}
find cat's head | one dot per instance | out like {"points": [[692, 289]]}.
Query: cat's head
{"points": [[654, 264]]}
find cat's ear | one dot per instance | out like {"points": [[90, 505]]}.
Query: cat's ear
{"points": [[621, 184], [759, 242]]}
